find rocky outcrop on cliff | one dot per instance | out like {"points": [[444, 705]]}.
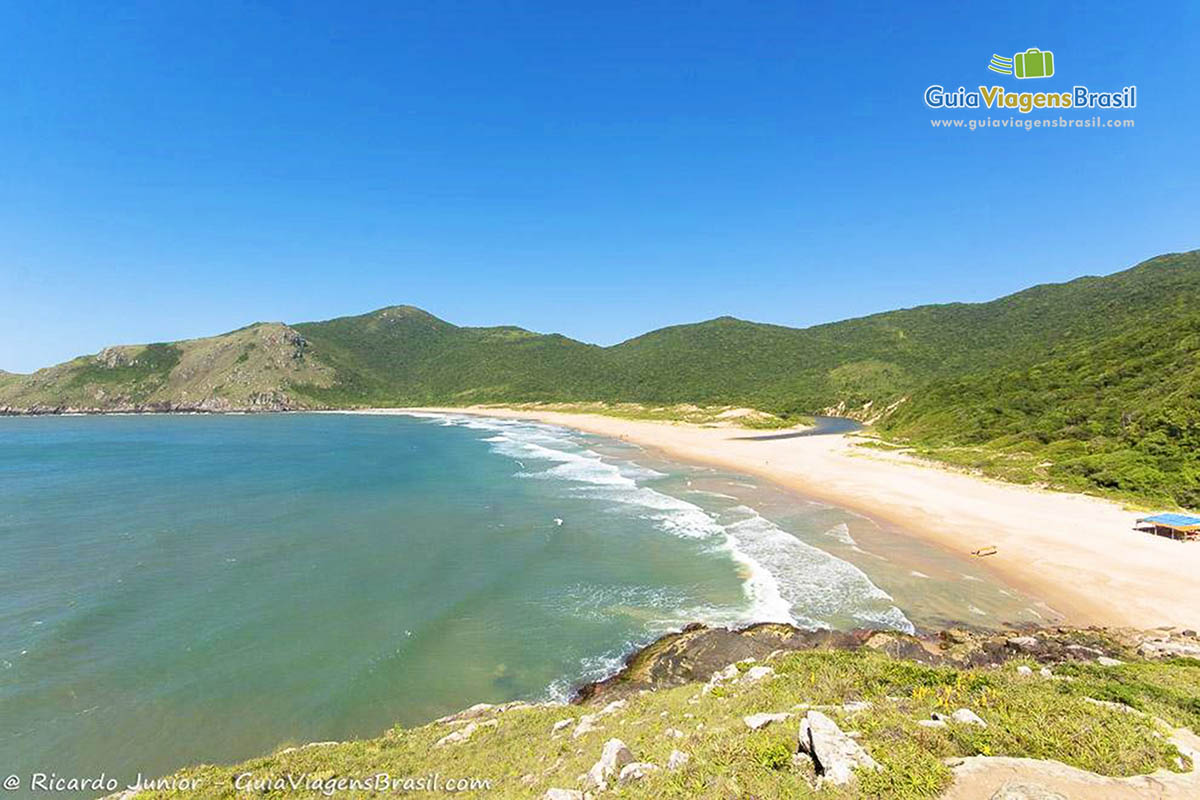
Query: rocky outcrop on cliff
{"points": [[1020, 713], [698, 653], [265, 367]]}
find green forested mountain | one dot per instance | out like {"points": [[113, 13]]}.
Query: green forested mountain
{"points": [[1091, 384], [405, 356]]}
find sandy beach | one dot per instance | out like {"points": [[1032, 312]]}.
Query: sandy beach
{"points": [[1078, 554]]}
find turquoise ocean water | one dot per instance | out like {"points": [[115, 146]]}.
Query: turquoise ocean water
{"points": [[207, 588]]}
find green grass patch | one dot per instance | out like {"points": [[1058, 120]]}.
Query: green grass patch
{"points": [[685, 413], [1037, 718]]}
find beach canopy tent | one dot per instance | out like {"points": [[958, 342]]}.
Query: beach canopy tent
{"points": [[1176, 526]]}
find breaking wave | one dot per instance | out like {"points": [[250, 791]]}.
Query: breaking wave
{"points": [[841, 532], [784, 578]]}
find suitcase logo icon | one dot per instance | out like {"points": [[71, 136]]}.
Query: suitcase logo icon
{"points": [[1033, 63]]}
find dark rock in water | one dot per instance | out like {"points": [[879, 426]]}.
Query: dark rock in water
{"points": [[693, 654], [696, 652]]}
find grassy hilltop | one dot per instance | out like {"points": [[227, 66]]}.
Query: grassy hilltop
{"points": [[1045, 696], [1091, 385]]}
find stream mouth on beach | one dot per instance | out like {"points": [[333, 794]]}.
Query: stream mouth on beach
{"points": [[217, 586], [822, 426]]}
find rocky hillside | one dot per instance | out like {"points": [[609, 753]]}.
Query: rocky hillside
{"points": [[772, 711], [402, 355], [251, 369], [1090, 385]]}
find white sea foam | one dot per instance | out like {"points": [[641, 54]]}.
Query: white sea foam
{"points": [[841, 532], [593, 668], [651, 605], [584, 470], [667, 513], [706, 493], [786, 579], [638, 472], [814, 584]]}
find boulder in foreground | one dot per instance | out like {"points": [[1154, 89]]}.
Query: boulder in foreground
{"points": [[614, 756], [835, 755]]}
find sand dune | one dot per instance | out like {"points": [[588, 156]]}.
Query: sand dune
{"points": [[1078, 554]]}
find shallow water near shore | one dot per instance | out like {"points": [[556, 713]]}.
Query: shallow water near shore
{"points": [[193, 588]]}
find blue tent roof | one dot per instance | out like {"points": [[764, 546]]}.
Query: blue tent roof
{"points": [[1177, 520]]}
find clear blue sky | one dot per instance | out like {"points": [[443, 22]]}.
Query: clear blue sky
{"points": [[598, 169]]}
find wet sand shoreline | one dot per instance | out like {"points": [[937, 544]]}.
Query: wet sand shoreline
{"points": [[1076, 553]]}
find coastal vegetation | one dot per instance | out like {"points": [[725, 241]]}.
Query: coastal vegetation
{"points": [[1121, 414], [1046, 697], [1091, 385], [687, 413]]}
